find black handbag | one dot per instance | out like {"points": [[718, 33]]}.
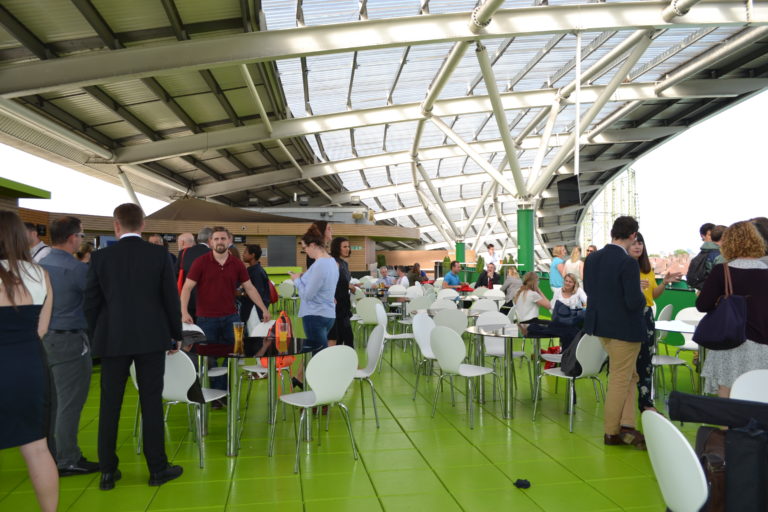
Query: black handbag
{"points": [[725, 327], [564, 315]]}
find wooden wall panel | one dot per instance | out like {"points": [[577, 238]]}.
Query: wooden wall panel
{"points": [[425, 258], [38, 217], [9, 203]]}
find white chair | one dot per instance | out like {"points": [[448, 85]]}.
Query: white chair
{"points": [[662, 360], [450, 352], [495, 295], [381, 316], [180, 375], [447, 293], [676, 466], [691, 316], [480, 291], [591, 356], [366, 309], [455, 319], [495, 347], [438, 284], [422, 329], [329, 374], [414, 291], [415, 305], [443, 304], [257, 371], [374, 350], [285, 292], [752, 385], [484, 305]]}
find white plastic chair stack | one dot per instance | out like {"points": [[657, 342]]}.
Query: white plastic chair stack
{"points": [[414, 291], [447, 293], [454, 319], [484, 305], [443, 304]]}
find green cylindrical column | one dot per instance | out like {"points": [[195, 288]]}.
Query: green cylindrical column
{"points": [[461, 259], [525, 239]]}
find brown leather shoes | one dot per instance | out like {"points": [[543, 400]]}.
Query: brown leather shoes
{"points": [[612, 439], [632, 437]]}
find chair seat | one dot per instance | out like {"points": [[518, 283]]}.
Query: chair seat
{"points": [[255, 368], [354, 318], [471, 370], [557, 372], [301, 399], [662, 360], [209, 395], [363, 373], [407, 321], [499, 352], [552, 358], [403, 336], [217, 372]]}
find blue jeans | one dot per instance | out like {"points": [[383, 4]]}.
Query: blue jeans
{"points": [[218, 330], [316, 331]]}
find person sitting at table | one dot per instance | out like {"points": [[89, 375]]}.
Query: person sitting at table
{"points": [[416, 275], [528, 300], [652, 290], [451, 279], [402, 279], [488, 277], [743, 247], [570, 294], [511, 285], [385, 280]]}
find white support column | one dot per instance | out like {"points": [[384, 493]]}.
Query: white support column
{"points": [[129, 188], [577, 102], [439, 200], [554, 110], [491, 189], [501, 118], [435, 220], [565, 150], [474, 155]]}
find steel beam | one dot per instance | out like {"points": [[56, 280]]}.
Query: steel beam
{"points": [[206, 53]]}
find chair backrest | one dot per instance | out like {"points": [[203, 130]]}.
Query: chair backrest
{"points": [[490, 318], [369, 283], [286, 289], [484, 305], [443, 304], [495, 294], [359, 294], [512, 315], [447, 293], [690, 315], [192, 327], [480, 291], [448, 348], [666, 313], [591, 355], [366, 308], [427, 287], [455, 320], [438, 284], [752, 385], [381, 315], [418, 303], [374, 349], [330, 372], [414, 291], [397, 290], [261, 329], [180, 374], [422, 328], [675, 464]]}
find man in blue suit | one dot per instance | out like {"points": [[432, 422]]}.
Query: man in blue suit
{"points": [[615, 315]]}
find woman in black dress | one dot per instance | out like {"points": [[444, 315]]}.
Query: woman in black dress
{"points": [[25, 311], [341, 332]]}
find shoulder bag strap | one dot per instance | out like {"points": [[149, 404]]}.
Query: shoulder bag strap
{"points": [[728, 282]]}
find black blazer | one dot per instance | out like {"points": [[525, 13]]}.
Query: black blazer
{"points": [[190, 255], [131, 302], [482, 280], [616, 303]]}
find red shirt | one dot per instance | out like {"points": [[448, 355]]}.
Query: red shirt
{"points": [[216, 284]]}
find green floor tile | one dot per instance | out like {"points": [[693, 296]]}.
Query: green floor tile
{"points": [[344, 505], [332, 486], [420, 503], [406, 481], [264, 490], [190, 494], [120, 499], [393, 460], [473, 500], [630, 492], [474, 477], [573, 497]]}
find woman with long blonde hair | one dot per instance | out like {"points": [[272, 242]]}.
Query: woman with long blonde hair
{"points": [[574, 265]]}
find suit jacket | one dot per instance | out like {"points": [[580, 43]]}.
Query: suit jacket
{"points": [[190, 256], [483, 279], [131, 302], [616, 303]]}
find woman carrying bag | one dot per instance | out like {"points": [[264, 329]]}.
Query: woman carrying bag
{"points": [[741, 246]]}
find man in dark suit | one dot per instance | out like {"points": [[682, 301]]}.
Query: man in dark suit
{"points": [[488, 277], [615, 315], [185, 260], [133, 312]]}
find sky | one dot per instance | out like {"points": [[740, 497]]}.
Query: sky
{"points": [[714, 172]]}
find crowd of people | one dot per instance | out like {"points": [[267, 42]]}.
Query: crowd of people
{"points": [[125, 304]]}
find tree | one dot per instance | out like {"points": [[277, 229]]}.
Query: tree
{"points": [[680, 252]]}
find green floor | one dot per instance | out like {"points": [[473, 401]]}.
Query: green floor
{"points": [[413, 462]]}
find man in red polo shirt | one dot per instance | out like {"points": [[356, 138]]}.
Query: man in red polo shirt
{"points": [[217, 275]]}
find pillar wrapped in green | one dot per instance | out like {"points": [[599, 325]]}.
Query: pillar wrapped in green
{"points": [[525, 239]]}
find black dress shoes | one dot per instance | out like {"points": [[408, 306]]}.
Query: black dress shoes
{"points": [[108, 480], [82, 467], [166, 475]]}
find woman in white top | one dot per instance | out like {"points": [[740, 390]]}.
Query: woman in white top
{"points": [[575, 266], [402, 279], [528, 299], [25, 312], [570, 294]]}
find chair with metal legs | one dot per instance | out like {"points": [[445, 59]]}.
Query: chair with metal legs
{"points": [[373, 350], [422, 329]]}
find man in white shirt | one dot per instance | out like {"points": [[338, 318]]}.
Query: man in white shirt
{"points": [[37, 248], [385, 279]]}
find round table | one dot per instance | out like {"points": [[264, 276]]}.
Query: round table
{"points": [[253, 347]]}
